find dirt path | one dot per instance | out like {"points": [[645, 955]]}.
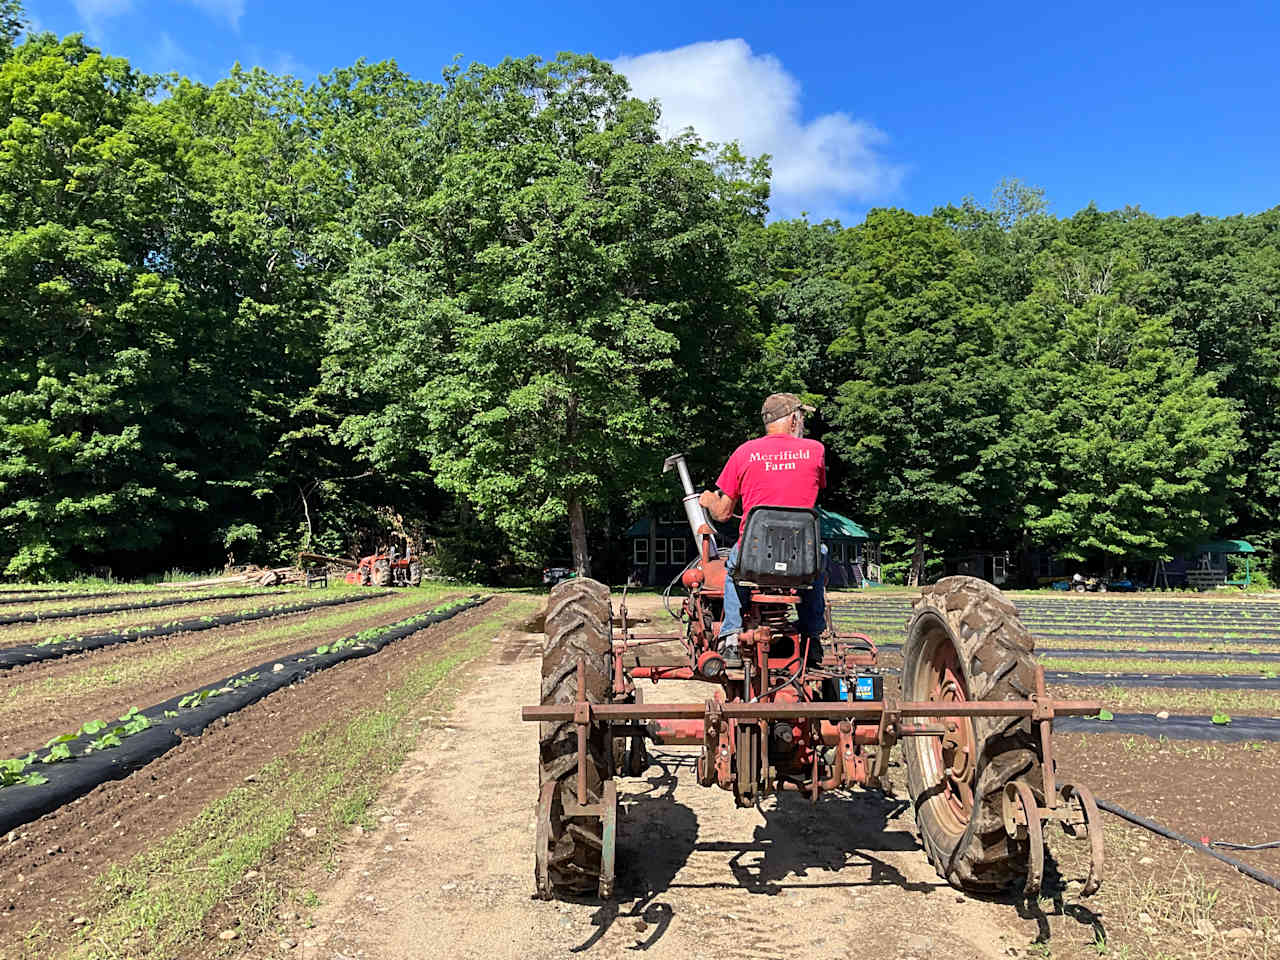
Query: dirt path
{"points": [[451, 875]]}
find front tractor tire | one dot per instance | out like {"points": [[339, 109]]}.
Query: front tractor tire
{"points": [[571, 855], [966, 642]]}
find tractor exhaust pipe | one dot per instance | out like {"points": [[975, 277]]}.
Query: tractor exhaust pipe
{"points": [[693, 511]]}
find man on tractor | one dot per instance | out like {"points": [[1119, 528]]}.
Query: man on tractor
{"points": [[780, 469]]}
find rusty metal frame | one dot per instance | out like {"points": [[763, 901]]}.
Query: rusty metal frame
{"points": [[844, 710]]}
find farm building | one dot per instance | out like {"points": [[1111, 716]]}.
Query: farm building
{"points": [[992, 566], [1208, 565], [659, 548]]}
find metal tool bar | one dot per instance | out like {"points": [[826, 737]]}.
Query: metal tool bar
{"points": [[645, 640], [824, 711]]}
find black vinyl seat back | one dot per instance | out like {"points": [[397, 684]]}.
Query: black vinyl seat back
{"points": [[781, 547]]}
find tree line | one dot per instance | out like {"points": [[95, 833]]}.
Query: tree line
{"points": [[261, 316]]}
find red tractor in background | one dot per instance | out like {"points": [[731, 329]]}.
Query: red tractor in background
{"points": [[974, 723], [389, 567]]}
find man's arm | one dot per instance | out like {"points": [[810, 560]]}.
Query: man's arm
{"points": [[717, 504]]}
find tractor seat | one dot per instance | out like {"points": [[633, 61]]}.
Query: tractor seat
{"points": [[781, 548]]}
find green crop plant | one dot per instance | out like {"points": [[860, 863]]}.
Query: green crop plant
{"points": [[58, 752], [12, 772], [105, 742]]}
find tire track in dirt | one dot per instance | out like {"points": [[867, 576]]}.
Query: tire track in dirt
{"points": [[697, 877], [57, 856]]}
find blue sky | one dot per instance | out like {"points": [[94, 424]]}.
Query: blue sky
{"points": [[1173, 107]]}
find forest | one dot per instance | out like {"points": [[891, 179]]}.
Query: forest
{"points": [[267, 315]]}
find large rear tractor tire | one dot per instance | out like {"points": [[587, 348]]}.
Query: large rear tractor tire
{"points": [[965, 642], [569, 854], [415, 573], [382, 573]]}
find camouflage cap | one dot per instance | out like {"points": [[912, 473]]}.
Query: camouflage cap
{"points": [[779, 405]]}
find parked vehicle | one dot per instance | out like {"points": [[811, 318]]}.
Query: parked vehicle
{"points": [[557, 574]]}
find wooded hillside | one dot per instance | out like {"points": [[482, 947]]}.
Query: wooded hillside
{"points": [[266, 316]]}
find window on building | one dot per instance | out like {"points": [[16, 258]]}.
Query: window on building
{"points": [[640, 550], [678, 548], [836, 551], [660, 551]]}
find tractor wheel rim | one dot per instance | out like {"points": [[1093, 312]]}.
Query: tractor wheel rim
{"points": [[954, 755]]}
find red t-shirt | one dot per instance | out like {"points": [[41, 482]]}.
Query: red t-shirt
{"points": [[778, 470]]}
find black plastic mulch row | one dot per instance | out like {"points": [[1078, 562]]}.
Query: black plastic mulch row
{"points": [[1244, 640], [1087, 653], [11, 657], [1092, 609], [69, 779], [1032, 618], [1189, 680], [15, 596], [41, 617], [1175, 728]]}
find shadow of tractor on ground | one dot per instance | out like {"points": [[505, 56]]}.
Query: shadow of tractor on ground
{"points": [[799, 846]]}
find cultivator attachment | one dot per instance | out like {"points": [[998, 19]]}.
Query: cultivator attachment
{"points": [[731, 735]]}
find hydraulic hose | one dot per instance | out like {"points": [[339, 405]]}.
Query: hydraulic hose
{"points": [[1248, 871]]}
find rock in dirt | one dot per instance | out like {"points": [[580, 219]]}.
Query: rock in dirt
{"points": [[1162, 715], [309, 832], [1204, 928], [228, 934]]}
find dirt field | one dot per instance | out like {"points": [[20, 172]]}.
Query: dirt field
{"points": [[384, 809], [700, 878]]}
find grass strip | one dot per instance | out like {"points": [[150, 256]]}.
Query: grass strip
{"points": [[1118, 697], [8, 617], [157, 903], [103, 623], [1263, 668], [19, 696]]}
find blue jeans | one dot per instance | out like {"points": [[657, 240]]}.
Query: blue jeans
{"points": [[812, 609]]}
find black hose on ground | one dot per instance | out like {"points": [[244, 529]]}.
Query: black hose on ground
{"points": [[1140, 821], [1228, 845]]}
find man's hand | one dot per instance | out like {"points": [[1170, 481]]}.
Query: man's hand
{"points": [[717, 504]]}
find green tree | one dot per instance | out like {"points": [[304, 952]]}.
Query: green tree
{"points": [[1131, 451], [919, 419], [89, 324], [555, 285]]}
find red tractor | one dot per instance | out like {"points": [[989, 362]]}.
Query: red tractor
{"points": [[386, 568], [974, 723]]}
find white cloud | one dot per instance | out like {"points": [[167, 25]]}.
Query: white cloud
{"points": [[95, 13], [228, 10], [726, 92]]}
